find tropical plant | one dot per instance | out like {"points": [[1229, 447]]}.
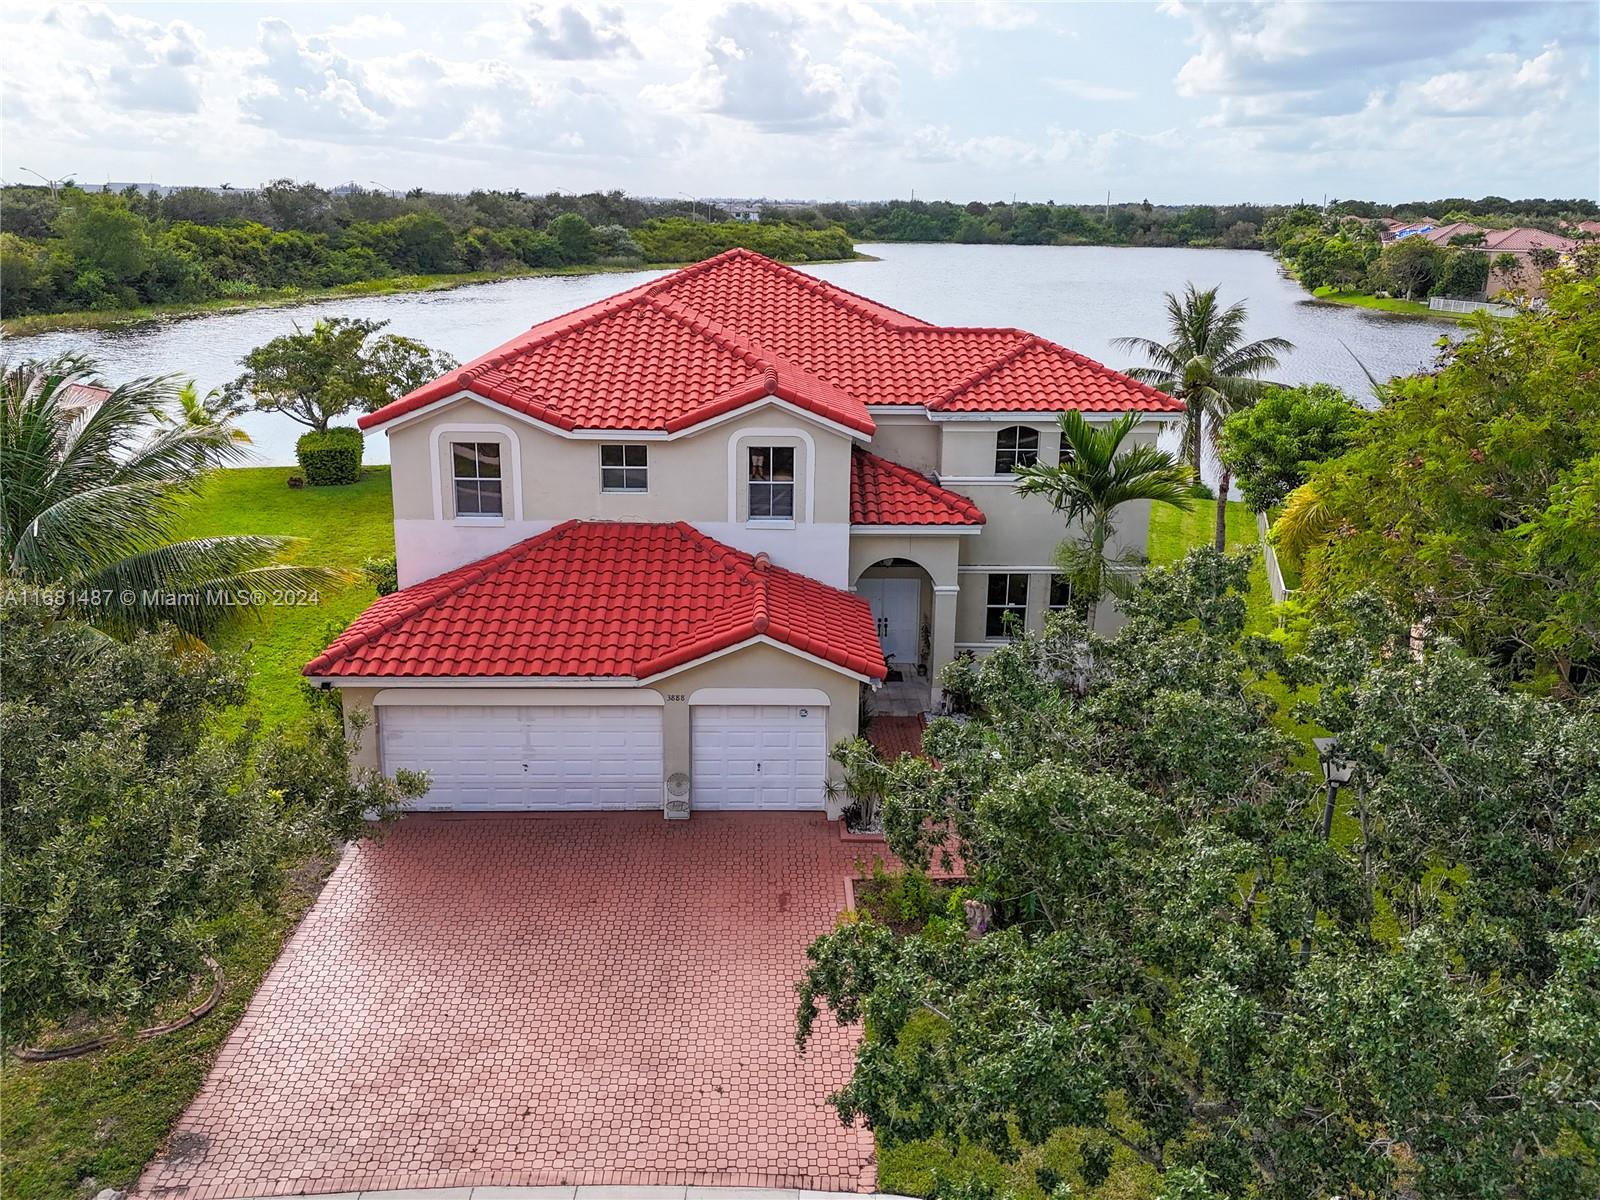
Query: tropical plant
{"points": [[89, 495], [1271, 447], [140, 810], [1183, 967], [313, 376], [1209, 366], [1093, 480], [1470, 501]]}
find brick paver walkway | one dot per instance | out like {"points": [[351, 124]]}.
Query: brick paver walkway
{"points": [[540, 999], [894, 736]]}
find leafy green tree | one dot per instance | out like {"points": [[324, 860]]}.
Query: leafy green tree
{"points": [[1209, 366], [104, 236], [1097, 477], [1271, 447], [1464, 274], [1183, 964], [132, 824], [90, 499], [1412, 264], [574, 238], [314, 376], [1469, 503]]}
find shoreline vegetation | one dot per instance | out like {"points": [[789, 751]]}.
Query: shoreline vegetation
{"points": [[34, 324]]}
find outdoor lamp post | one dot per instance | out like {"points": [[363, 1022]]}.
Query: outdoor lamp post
{"points": [[1336, 772]]}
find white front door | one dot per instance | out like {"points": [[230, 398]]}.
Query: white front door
{"points": [[758, 756], [896, 604], [503, 757]]}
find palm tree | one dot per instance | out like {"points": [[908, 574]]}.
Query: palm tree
{"points": [[89, 493], [1089, 485], [1210, 368]]}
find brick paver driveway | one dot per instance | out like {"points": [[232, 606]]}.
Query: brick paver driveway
{"points": [[540, 999]]}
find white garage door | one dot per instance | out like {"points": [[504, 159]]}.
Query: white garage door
{"points": [[533, 757], [758, 756]]}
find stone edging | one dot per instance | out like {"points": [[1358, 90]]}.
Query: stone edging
{"points": [[29, 1054]]}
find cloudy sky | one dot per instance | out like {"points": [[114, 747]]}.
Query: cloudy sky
{"points": [[1175, 101]]}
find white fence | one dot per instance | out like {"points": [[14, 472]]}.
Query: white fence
{"points": [[1443, 304], [1270, 557]]}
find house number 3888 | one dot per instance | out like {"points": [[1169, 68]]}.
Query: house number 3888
{"points": [[678, 696]]}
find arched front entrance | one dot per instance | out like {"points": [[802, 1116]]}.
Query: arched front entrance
{"points": [[902, 597]]}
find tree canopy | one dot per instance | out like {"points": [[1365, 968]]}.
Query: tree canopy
{"points": [[133, 821], [1271, 447], [314, 376], [1470, 497], [1181, 968]]}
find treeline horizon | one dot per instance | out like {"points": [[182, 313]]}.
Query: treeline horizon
{"points": [[71, 249]]}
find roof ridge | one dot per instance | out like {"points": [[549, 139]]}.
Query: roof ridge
{"points": [[712, 330], [1005, 360], [468, 577], [926, 484]]}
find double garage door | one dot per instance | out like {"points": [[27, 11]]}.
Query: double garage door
{"points": [[512, 757]]}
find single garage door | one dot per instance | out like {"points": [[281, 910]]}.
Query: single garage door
{"points": [[484, 757], [758, 756]]}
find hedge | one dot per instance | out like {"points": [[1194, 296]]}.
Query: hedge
{"points": [[330, 458]]}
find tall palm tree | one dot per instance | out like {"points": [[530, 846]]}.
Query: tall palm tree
{"points": [[1206, 364], [89, 493], [1093, 480]]}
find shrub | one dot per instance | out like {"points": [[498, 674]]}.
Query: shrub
{"points": [[331, 458], [133, 822], [382, 574]]}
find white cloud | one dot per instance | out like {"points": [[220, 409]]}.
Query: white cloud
{"points": [[369, 27], [146, 65], [568, 32], [1083, 89], [757, 68], [309, 88]]}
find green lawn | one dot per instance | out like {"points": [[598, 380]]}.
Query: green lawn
{"points": [[341, 527], [1173, 533], [73, 1127], [1410, 308]]}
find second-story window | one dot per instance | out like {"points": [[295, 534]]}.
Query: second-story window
{"points": [[1015, 446], [476, 466], [772, 483], [624, 468]]}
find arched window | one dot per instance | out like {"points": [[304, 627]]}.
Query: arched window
{"points": [[1015, 446]]}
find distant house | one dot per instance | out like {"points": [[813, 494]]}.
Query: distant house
{"points": [[745, 212], [1521, 242]]}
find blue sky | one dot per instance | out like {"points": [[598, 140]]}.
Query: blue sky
{"points": [[1175, 101]]}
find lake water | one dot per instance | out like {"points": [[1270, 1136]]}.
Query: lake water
{"points": [[1080, 296]]}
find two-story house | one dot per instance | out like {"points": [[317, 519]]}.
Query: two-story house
{"points": [[651, 552]]}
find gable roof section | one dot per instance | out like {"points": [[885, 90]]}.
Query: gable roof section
{"points": [[600, 599], [886, 493], [728, 331]]}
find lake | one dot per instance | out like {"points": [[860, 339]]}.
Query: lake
{"points": [[1080, 296]]}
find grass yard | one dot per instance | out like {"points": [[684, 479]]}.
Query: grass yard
{"points": [[72, 1127], [341, 527], [1388, 304]]}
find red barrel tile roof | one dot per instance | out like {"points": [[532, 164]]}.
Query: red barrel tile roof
{"points": [[886, 493], [600, 599], [738, 327]]}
